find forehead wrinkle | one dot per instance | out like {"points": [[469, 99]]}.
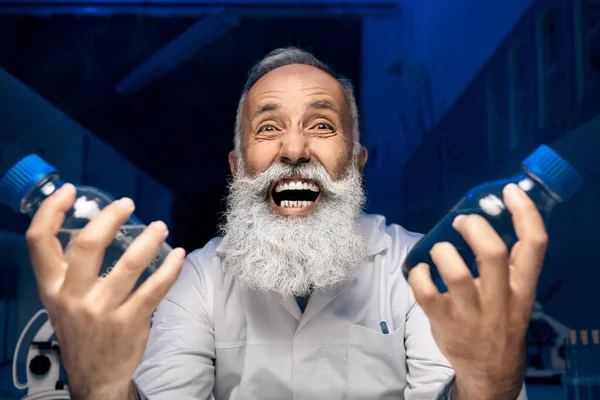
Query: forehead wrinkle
{"points": [[328, 90], [268, 92]]}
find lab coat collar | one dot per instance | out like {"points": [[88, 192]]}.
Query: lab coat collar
{"points": [[374, 230]]}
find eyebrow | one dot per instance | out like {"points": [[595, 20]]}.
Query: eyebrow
{"points": [[311, 105], [265, 108], [324, 105]]}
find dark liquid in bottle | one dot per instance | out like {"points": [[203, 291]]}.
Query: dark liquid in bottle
{"points": [[496, 215]]}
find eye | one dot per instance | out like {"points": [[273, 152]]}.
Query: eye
{"points": [[267, 128], [323, 126]]}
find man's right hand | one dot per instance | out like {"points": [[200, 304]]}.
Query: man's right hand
{"points": [[101, 325]]}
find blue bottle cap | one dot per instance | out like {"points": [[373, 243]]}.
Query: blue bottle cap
{"points": [[557, 174], [21, 178]]}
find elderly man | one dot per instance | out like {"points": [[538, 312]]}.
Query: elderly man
{"points": [[303, 296]]}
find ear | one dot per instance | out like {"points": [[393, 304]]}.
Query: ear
{"points": [[233, 162], [362, 159]]}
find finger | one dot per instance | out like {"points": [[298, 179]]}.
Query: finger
{"points": [[44, 247], [491, 255], [87, 249], [533, 238], [456, 276], [117, 286], [147, 297], [426, 293]]}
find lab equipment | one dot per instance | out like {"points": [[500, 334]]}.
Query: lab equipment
{"points": [[545, 346], [43, 364], [546, 178], [581, 380], [32, 180]]}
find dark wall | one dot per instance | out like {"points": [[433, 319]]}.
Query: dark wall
{"points": [[178, 128], [499, 119]]}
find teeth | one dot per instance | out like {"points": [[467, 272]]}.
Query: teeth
{"points": [[296, 186], [295, 204]]}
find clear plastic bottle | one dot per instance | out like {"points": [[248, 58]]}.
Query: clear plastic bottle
{"points": [[547, 178], [32, 180]]}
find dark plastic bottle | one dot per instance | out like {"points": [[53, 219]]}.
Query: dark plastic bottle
{"points": [[547, 178]]}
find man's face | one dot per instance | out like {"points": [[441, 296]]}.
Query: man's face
{"points": [[293, 219], [292, 115]]}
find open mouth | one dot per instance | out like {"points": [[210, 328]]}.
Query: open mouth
{"points": [[295, 194]]}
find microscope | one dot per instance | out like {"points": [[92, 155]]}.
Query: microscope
{"points": [[43, 364], [546, 338]]}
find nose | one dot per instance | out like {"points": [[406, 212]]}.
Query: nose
{"points": [[294, 148]]}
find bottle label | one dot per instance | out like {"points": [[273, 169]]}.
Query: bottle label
{"points": [[155, 261], [84, 208], [109, 269], [491, 205], [120, 235]]}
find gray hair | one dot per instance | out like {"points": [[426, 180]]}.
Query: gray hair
{"points": [[288, 56]]}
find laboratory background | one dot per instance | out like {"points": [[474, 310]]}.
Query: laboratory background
{"points": [[138, 98]]}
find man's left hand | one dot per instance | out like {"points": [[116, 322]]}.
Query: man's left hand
{"points": [[480, 324]]}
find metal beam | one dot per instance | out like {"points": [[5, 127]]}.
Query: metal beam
{"points": [[195, 8], [180, 49]]}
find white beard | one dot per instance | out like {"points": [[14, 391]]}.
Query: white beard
{"points": [[294, 255]]}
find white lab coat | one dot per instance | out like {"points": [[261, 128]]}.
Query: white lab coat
{"points": [[213, 337]]}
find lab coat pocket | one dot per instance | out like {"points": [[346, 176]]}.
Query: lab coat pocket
{"points": [[376, 363]]}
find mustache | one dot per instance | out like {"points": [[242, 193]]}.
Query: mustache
{"points": [[310, 170]]}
